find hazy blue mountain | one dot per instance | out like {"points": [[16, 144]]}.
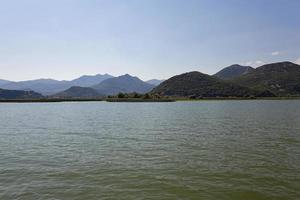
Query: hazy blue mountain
{"points": [[155, 82], [87, 80], [124, 84], [3, 82], [43, 86], [51, 86], [233, 71], [197, 84], [282, 79], [19, 94], [78, 92]]}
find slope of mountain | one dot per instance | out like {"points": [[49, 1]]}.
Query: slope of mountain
{"points": [[197, 84], [78, 92], [282, 79], [51, 86], [18, 94], [86, 80], [124, 84], [155, 82], [3, 82], [233, 71]]}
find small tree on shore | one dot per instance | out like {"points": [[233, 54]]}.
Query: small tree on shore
{"points": [[147, 96], [136, 95], [121, 95]]}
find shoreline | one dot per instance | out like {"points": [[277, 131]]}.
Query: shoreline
{"points": [[240, 99], [133, 100], [137, 100], [46, 100]]}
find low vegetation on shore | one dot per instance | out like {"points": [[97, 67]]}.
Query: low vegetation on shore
{"points": [[136, 97]]}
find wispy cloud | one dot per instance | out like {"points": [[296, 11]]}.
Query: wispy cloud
{"points": [[259, 62], [255, 63], [298, 61], [275, 53]]}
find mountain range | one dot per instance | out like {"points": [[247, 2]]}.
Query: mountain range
{"points": [[275, 79], [198, 85], [51, 86], [282, 79]]}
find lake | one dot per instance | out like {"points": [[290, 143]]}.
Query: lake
{"points": [[244, 150]]}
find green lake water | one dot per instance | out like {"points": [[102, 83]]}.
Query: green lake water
{"points": [[212, 150]]}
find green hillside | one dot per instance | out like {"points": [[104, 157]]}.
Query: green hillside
{"points": [[282, 79], [197, 84]]}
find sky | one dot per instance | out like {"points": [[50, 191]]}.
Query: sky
{"points": [[64, 39]]}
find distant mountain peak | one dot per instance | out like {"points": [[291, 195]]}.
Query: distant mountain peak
{"points": [[124, 83], [155, 82], [233, 71], [90, 80], [127, 76], [237, 66]]}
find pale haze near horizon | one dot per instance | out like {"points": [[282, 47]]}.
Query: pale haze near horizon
{"points": [[64, 39]]}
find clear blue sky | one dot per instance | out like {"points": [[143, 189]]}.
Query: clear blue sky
{"points": [[63, 39]]}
